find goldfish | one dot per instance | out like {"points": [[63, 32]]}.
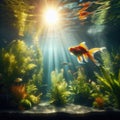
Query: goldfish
{"points": [[83, 53]]}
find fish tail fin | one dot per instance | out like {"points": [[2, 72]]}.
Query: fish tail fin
{"points": [[91, 57], [102, 48], [92, 52]]}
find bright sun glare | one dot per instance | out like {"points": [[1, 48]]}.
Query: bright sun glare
{"points": [[51, 16]]}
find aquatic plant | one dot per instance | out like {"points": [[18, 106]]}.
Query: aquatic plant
{"points": [[110, 85], [107, 61], [34, 85], [38, 72], [59, 93], [33, 93], [31, 88], [22, 91], [81, 89], [34, 99], [19, 60], [115, 56], [107, 78], [101, 99], [16, 61], [19, 92], [111, 61], [99, 102], [24, 104]]}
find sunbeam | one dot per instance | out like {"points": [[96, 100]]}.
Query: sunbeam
{"points": [[51, 16], [54, 44]]}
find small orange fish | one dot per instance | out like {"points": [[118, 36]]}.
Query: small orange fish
{"points": [[83, 53]]}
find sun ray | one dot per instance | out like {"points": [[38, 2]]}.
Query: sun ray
{"points": [[51, 16]]}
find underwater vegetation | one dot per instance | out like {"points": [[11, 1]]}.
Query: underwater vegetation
{"points": [[104, 91], [21, 76], [81, 89], [21, 65], [59, 93], [110, 85], [109, 79], [20, 73]]}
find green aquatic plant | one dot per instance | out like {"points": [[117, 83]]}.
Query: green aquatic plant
{"points": [[34, 94], [101, 98], [38, 72], [19, 60], [16, 61], [31, 88], [107, 78], [24, 104], [99, 102], [111, 60], [59, 93], [34, 85], [107, 61], [110, 85], [81, 89], [115, 56], [34, 99]]}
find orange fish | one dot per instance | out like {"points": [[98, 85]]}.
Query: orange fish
{"points": [[83, 53]]}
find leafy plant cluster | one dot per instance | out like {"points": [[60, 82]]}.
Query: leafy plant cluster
{"points": [[109, 80], [20, 61], [110, 85], [102, 93], [80, 88], [59, 93]]}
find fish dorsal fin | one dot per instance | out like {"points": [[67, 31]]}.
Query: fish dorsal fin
{"points": [[83, 44]]}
